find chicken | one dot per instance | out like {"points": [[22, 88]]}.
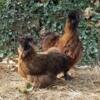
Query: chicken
{"points": [[69, 43], [39, 69]]}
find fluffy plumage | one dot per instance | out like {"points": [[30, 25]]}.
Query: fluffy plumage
{"points": [[40, 69]]}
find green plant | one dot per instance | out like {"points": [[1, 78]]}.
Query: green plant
{"points": [[28, 16]]}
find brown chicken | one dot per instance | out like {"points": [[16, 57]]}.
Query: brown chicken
{"points": [[39, 69], [69, 43]]}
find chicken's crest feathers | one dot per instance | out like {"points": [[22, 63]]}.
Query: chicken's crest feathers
{"points": [[74, 17]]}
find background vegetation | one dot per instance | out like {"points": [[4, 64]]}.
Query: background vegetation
{"points": [[30, 16]]}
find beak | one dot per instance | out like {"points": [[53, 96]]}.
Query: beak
{"points": [[30, 43]]}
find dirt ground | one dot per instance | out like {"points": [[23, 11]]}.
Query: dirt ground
{"points": [[86, 86]]}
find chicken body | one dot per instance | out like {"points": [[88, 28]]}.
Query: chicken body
{"points": [[40, 69]]}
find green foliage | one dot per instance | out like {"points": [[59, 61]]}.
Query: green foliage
{"points": [[89, 37], [28, 16], [2, 3]]}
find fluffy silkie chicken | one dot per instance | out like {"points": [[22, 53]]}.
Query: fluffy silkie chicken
{"points": [[69, 43], [39, 69]]}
